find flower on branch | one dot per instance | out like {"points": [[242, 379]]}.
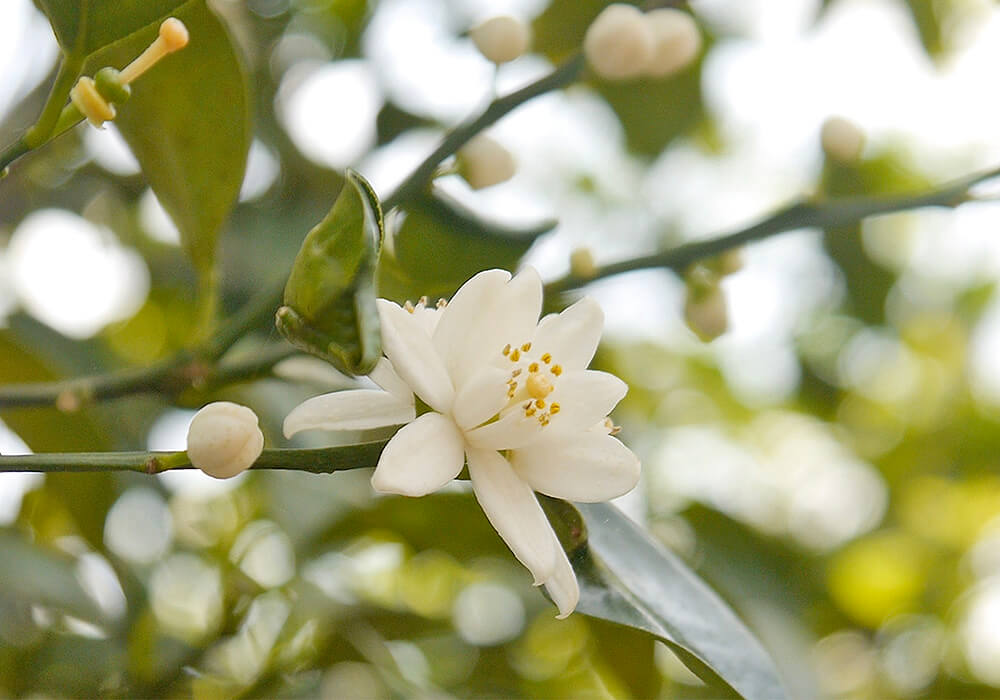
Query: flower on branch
{"points": [[509, 394]]}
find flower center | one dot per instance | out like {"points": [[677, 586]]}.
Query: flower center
{"points": [[530, 392]]}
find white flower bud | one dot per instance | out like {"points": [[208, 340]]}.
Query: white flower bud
{"points": [[483, 162], [501, 39], [842, 140], [224, 439], [705, 313], [619, 43], [676, 41], [581, 263]]}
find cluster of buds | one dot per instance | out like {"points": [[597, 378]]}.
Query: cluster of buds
{"points": [[705, 305], [623, 42], [501, 39], [95, 98]]}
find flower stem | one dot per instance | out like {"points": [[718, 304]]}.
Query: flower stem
{"points": [[804, 214], [415, 183], [318, 460]]}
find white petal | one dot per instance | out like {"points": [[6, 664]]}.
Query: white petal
{"points": [[421, 458], [586, 467], [513, 510], [585, 397], [358, 409], [409, 348], [481, 397], [562, 585], [513, 430], [486, 314], [385, 376], [572, 336]]}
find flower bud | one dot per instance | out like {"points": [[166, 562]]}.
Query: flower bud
{"points": [[619, 42], [705, 313], [842, 140], [483, 163], [581, 263], [224, 439], [501, 39], [676, 41]]}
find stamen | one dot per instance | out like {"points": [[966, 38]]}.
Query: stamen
{"points": [[422, 302], [557, 370], [615, 430], [529, 412], [515, 355], [506, 349], [533, 367], [554, 409], [441, 303], [526, 347], [547, 358], [408, 305], [544, 419], [539, 404], [516, 372]]}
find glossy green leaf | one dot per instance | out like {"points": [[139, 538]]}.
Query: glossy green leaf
{"points": [[84, 26], [329, 306], [188, 124], [31, 573], [627, 578]]}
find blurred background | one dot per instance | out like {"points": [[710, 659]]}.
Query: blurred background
{"points": [[829, 463]]}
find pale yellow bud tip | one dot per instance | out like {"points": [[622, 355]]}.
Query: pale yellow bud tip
{"points": [[224, 439], [842, 140], [581, 263], [174, 34]]}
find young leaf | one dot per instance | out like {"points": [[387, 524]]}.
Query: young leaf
{"points": [[85, 26], [627, 578], [329, 306], [188, 125]]}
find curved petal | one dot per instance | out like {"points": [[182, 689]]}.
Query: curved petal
{"points": [[421, 458], [572, 336], [585, 397], [513, 510], [487, 313], [385, 376], [481, 397], [409, 348], [512, 431], [588, 467], [562, 586], [358, 409]]}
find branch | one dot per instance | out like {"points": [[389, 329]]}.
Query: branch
{"points": [[458, 137], [317, 460], [803, 214]]}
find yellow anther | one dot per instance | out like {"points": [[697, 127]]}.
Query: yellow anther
{"points": [[554, 409], [408, 305], [90, 103], [539, 404], [546, 358], [557, 370], [173, 36], [516, 372], [515, 355], [529, 411], [422, 302], [533, 367], [526, 347], [441, 303], [539, 386], [544, 419], [506, 349]]}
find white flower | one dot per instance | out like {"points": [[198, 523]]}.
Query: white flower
{"points": [[509, 394], [224, 439]]}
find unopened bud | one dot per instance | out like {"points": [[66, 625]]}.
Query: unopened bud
{"points": [[224, 439], [676, 41], [619, 43], [842, 140], [483, 163], [705, 313], [501, 39], [581, 263]]}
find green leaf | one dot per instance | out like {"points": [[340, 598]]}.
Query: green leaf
{"points": [[84, 26], [442, 243], [188, 124], [329, 306], [29, 572], [627, 578]]}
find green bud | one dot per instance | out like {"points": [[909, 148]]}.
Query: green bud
{"points": [[329, 306], [110, 86]]}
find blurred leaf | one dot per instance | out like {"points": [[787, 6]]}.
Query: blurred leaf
{"points": [[926, 16], [627, 578], [42, 576], [85, 26], [329, 306], [188, 124], [441, 244]]}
